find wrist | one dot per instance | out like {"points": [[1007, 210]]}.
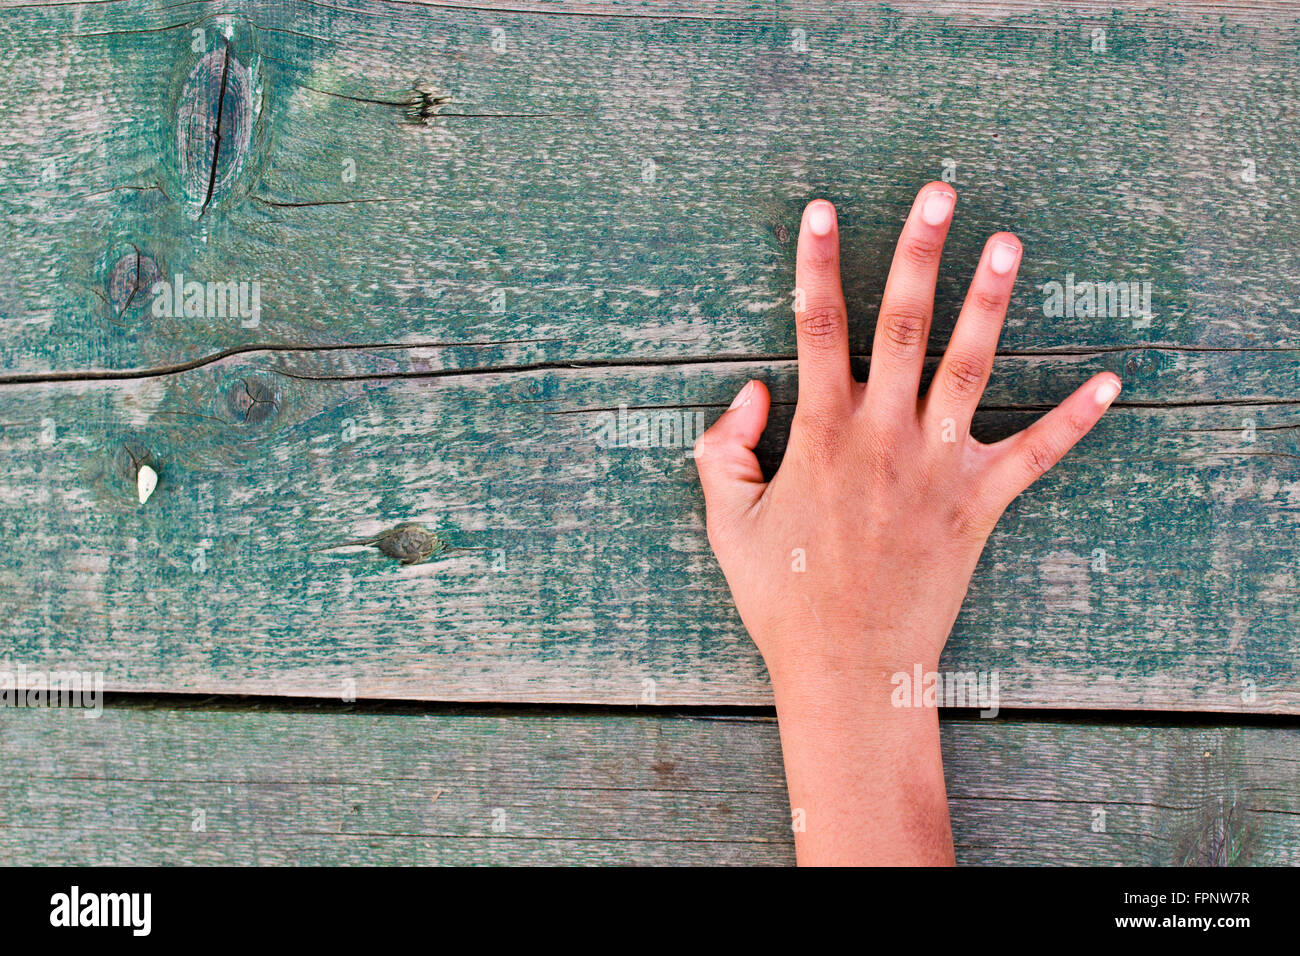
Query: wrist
{"points": [[862, 757], [877, 693], [870, 675]]}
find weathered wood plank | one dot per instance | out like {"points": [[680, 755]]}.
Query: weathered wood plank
{"points": [[625, 180], [147, 786], [1155, 568]]}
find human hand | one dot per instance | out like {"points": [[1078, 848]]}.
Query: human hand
{"points": [[888, 497], [851, 564]]}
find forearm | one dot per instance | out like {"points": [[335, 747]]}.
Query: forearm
{"points": [[865, 777]]}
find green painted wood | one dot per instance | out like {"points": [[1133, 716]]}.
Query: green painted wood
{"points": [[1155, 568], [585, 181], [141, 785], [424, 192]]}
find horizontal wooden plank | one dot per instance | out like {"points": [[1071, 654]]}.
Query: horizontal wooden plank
{"points": [[232, 786], [625, 181], [1155, 568]]}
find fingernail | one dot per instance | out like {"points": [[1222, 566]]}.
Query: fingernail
{"points": [[742, 397], [1107, 391], [821, 218], [937, 207], [1003, 257]]}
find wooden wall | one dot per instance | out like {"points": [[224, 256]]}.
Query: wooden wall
{"points": [[479, 233]]}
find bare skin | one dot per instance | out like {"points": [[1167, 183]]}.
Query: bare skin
{"points": [[851, 564]]}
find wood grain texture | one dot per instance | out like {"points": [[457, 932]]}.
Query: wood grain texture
{"points": [[1155, 568], [476, 229], [210, 786], [596, 181]]}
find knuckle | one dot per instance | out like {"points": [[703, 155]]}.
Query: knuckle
{"points": [[881, 458], [1076, 425], [904, 327], [972, 518], [817, 432], [821, 325], [820, 438], [822, 257], [708, 441], [989, 301], [1038, 457], [920, 250], [885, 465], [963, 376]]}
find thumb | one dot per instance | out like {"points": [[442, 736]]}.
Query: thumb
{"points": [[729, 471]]}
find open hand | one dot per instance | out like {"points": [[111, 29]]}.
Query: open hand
{"points": [[851, 564], [886, 496]]}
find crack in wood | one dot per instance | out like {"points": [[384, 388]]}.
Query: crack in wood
{"points": [[35, 378], [216, 132]]}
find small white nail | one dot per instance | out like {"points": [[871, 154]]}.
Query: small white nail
{"points": [[936, 208], [742, 397], [1002, 258], [146, 480], [1107, 391], [821, 218]]}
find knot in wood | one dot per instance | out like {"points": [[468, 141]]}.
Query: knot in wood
{"points": [[131, 281], [408, 543], [214, 126], [252, 401]]}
